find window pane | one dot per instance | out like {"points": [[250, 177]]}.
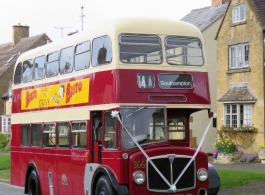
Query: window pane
{"points": [[246, 55], [64, 134], [66, 60], [235, 14], [25, 135], [239, 56], [227, 115], [242, 12], [176, 128], [49, 136], [110, 134], [36, 134], [101, 51], [39, 68], [79, 135], [246, 114], [52, 69], [184, 51], [27, 71], [82, 61], [140, 49], [82, 47], [53, 56], [18, 74]]}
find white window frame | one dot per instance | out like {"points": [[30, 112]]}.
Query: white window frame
{"points": [[239, 13], [239, 56], [236, 117], [6, 124]]}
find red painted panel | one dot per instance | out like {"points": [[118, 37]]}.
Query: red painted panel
{"points": [[120, 86], [78, 169], [63, 171]]}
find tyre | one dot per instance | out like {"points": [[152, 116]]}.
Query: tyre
{"points": [[104, 187], [33, 183]]}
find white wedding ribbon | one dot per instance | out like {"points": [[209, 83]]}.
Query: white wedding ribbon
{"points": [[172, 188]]}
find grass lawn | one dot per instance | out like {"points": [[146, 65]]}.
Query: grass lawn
{"points": [[4, 161], [233, 178], [5, 175]]}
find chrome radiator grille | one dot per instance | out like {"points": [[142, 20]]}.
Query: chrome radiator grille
{"points": [[171, 173]]}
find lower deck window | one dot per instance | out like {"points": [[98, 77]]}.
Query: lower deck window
{"points": [[64, 134], [36, 135], [25, 135], [79, 135], [49, 136]]}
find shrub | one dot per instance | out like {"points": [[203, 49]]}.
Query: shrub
{"points": [[248, 157], [3, 140], [225, 146]]}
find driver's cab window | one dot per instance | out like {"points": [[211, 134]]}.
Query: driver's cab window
{"points": [[110, 131], [176, 128]]}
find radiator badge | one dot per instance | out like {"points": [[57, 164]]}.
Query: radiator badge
{"points": [[171, 157]]}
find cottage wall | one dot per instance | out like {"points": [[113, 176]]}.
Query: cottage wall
{"points": [[250, 32]]}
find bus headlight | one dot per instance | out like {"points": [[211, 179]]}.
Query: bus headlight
{"points": [[139, 177], [202, 174]]}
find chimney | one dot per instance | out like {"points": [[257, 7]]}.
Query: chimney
{"points": [[19, 32], [219, 2]]}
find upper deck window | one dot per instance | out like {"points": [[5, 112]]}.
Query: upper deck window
{"points": [[140, 49], [82, 56], [101, 51], [39, 67], [66, 60], [52, 64], [18, 74], [184, 51], [27, 71]]}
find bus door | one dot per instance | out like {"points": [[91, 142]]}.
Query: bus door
{"points": [[96, 135]]}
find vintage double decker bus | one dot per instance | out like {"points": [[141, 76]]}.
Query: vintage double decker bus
{"points": [[106, 112]]}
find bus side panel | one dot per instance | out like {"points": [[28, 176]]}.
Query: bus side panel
{"points": [[102, 88], [64, 176], [15, 157], [36, 158], [49, 171], [78, 170]]}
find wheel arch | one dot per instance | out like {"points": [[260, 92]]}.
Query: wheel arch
{"points": [[31, 166], [103, 170]]}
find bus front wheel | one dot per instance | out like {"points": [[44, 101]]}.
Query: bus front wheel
{"points": [[104, 186], [33, 184]]}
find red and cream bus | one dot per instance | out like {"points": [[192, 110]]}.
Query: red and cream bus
{"points": [[106, 112]]}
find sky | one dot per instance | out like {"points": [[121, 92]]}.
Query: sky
{"points": [[57, 18]]}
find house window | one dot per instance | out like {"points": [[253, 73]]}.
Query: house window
{"points": [[237, 115], [6, 124], [239, 13], [239, 56]]}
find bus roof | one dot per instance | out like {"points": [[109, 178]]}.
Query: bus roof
{"points": [[116, 27]]}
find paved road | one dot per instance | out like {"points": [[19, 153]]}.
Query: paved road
{"points": [[7, 189]]}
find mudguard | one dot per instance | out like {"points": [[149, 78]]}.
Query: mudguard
{"points": [[102, 170], [214, 180]]}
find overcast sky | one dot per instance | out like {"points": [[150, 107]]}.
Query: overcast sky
{"points": [[44, 15]]}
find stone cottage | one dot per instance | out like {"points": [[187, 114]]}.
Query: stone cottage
{"points": [[9, 52], [241, 73]]}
